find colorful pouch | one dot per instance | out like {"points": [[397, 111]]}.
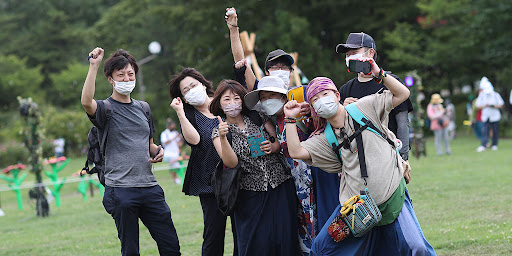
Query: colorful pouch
{"points": [[338, 230]]}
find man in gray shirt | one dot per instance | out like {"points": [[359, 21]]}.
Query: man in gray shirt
{"points": [[131, 189]]}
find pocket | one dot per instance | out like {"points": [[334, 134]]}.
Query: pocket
{"points": [[108, 199]]}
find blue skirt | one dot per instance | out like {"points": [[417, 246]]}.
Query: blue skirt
{"points": [[326, 187], [402, 237], [266, 221]]}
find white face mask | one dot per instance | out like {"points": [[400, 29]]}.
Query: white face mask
{"points": [[124, 88], [233, 109], [196, 96], [354, 57], [283, 74], [326, 106], [272, 106]]}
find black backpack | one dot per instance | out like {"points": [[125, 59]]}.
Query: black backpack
{"points": [[97, 140]]}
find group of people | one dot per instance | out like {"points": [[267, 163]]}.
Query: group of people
{"points": [[293, 185]]}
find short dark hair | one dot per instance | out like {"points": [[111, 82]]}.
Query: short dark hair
{"points": [[119, 60], [281, 60], [226, 85], [174, 84]]}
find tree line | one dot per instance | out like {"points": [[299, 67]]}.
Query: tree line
{"points": [[45, 45]]}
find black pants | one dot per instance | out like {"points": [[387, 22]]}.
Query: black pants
{"points": [[214, 227], [127, 205]]}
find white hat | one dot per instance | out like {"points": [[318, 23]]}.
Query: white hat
{"points": [[269, 84]]}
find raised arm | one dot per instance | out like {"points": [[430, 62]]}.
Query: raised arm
{"points": [[291, 110], [236, 45], [399, 91], [190, 133], [88, 102], [223, 147]]}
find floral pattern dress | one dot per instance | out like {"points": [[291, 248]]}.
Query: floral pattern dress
{"points": [[301, 173]]}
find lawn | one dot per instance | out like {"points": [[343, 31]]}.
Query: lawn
{"points": [[462, 201]]}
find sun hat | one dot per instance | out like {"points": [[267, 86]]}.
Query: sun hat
{"points": [[436, 99], [269, 84]]}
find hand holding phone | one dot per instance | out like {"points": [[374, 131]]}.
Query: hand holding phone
{"points": [[158, 151], [255, 141], [357, 66]]}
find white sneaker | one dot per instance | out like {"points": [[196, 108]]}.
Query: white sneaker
{"points": [[177, 181], [480, 149], [494, 147]]}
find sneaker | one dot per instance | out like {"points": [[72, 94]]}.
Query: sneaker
{"points": [[480, 149], [177, 181], [494, 147]]}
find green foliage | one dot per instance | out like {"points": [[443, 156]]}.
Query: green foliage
{"points": [[16, 79], [68, 84], [13, 153], [72, 125]]}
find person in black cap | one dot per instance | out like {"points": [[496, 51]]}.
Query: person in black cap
{"points": [[361, 46]]}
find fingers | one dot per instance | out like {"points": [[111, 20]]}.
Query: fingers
{"points": [[266, 146], [220, 119], [349, 100]]}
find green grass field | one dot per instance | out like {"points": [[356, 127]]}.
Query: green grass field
{"points": [[463, 202]]}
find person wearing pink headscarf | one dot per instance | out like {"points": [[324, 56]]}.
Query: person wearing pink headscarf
{"points": [[398, 232]]}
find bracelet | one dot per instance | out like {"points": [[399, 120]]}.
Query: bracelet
{"points": [[235, 26], [290, 120], [379, 79]]}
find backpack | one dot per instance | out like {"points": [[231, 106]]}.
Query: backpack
{"points": [[97, 140], [360, 124]]}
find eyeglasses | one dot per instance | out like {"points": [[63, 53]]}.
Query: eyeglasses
{"points": [[280, 67]]}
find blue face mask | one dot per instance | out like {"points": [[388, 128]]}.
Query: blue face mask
{"points": [[272, 106]]}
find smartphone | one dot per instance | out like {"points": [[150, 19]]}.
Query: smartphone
{"points": [[296, 94], [254, 141], [357, 66]]}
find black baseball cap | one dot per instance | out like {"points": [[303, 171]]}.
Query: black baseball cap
{"points": [[356, 41], [277, 54]]}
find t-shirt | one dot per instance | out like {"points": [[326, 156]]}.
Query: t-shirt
{"points": [[127, 146], [171, 148], [489, 114], [383, 164], [356, 89]]}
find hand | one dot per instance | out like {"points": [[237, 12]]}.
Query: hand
{"points": [[231, 18], [96, 56], [305, 108], [349, 100], [177, 105], [241, 63], [159, 155], [407, 171], [223, 127], [266, 146], [291, 109], [375, 68]]}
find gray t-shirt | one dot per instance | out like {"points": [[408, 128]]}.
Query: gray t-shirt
{"points": [[383, 163], [127, 146]]}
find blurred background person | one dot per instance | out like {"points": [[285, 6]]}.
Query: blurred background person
{"points": [[450, 113], [59, 144], [438, 123], [170, 140], [490, 102]]}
